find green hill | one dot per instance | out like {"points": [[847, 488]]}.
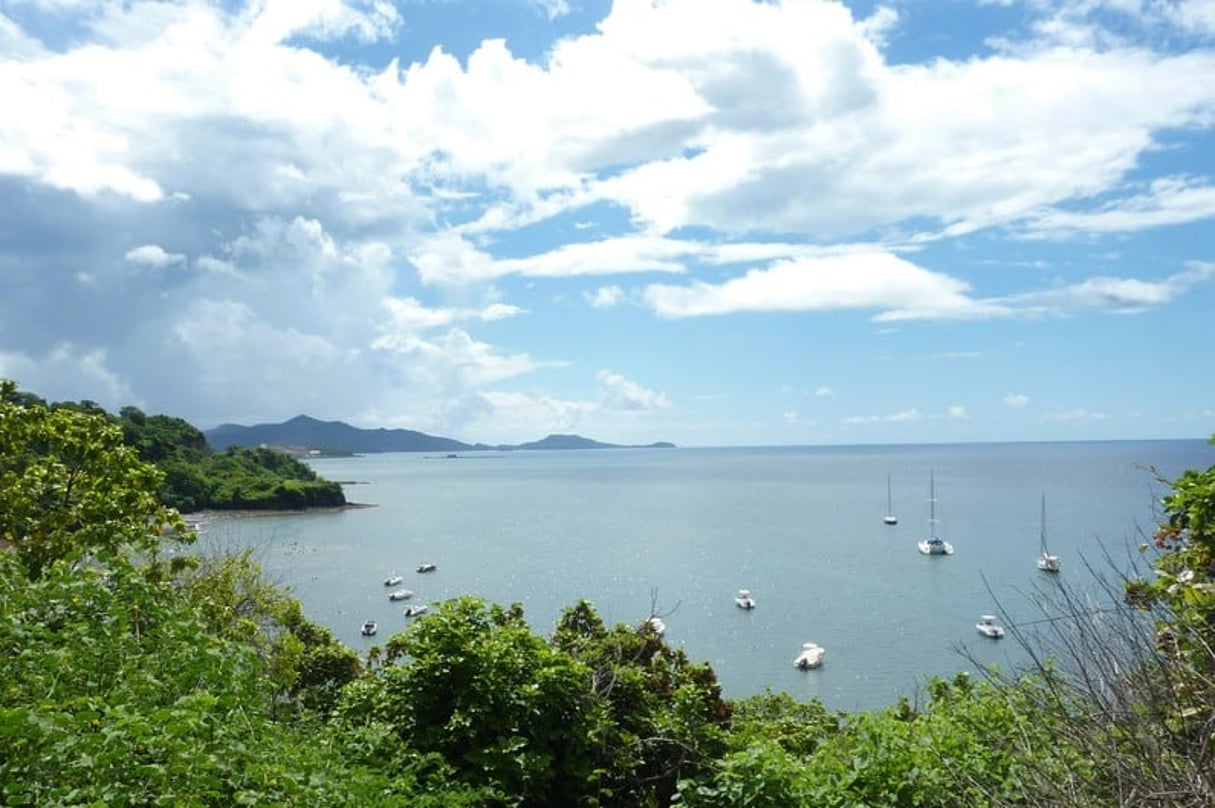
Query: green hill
{"points": [[197, 477], [330, 437], [303, 433]]}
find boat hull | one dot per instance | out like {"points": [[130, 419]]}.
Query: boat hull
{"points": [[988, 627], [811, 657]]}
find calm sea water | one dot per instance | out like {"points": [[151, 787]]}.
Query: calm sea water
{"points": [[684, 529]]}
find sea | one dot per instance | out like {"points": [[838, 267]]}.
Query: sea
{"points": [[677, 532]]}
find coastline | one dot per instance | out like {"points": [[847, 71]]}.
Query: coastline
{"points": [[198, 519]]}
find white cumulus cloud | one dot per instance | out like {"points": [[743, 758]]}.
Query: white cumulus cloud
{"points": [[620, 393], [152, 255]]}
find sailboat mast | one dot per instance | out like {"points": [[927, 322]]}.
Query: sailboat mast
{"points": [[1043, 534], [890, 519], [932, 504]]}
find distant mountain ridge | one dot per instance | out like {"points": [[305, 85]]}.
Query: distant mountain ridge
{"points": [[309, 433]]}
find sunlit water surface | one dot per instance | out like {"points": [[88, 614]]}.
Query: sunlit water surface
{"points": [[683, 529]]}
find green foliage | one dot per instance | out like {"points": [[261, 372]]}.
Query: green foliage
{"points": [[1183, 591], [108, 686], [1184, 584], [596, 716], [158, 438], [116, 692], [193, 476], [666, 717], [313, 665], [263, 479], [972, 745], [71, 488], [796, 726], [187, 486], [305, 664], [239, 479], [1165, 744], [121, 684], [502, 707], [761, 775]]}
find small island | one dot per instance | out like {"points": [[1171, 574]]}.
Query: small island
{"points": [[579, 442]]}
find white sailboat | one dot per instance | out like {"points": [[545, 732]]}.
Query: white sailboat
{"points": [[1047, 561], [934, 544], [890, 518]]}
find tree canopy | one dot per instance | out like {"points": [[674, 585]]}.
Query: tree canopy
{"points": [[71, 486], [193, 476]]}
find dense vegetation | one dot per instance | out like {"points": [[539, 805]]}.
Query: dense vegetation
{"points": [[133, 673], [197, 478]]}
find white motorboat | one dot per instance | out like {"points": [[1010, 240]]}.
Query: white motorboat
{"points": [[369, 628], [988, 627], [744, 600], [416, 610], [934, 544], [1047, 561], [393, 580], [400, 594], [426, 567], [810, 657], [889, 518], [656, 625]]}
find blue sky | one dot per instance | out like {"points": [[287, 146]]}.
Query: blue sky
{"points": [[715, 222]]}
